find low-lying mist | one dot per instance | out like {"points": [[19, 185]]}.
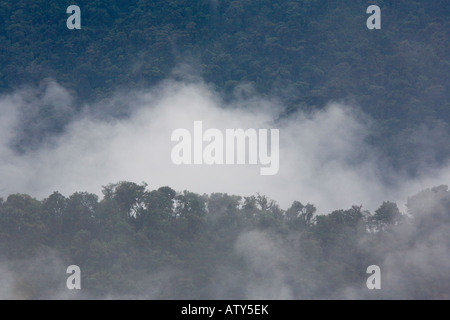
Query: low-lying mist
{"points": [[47, 145], [324, 156]]}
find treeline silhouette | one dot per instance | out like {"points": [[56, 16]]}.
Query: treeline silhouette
{"points": [[161, 244]]}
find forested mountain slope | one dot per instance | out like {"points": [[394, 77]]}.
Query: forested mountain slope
{"points": [[305, 52], [66, 95], [159, 244]]}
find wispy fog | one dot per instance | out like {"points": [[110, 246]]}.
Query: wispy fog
{"points": [[324, 156]]}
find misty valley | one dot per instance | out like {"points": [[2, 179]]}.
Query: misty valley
{"points": [[291, 150]]}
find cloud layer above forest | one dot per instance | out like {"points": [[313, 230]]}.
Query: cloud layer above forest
{"points": [[324, 158]]}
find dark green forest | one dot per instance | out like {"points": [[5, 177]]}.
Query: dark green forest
{"points": [[161, 244], [306, 53]]}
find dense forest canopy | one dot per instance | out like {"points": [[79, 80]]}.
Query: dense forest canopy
{"points": [[140, 243], [307, 53]]}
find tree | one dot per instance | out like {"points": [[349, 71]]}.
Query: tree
{"points": [[387, 215], [54, 207], [22, 226], [300, 214], [129, 197]]}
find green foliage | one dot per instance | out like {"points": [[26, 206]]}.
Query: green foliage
{"points": [[134, 234], [309, 52], [387, 215]]}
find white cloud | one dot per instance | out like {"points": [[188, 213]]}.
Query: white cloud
{"points": [[323, 157]]}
